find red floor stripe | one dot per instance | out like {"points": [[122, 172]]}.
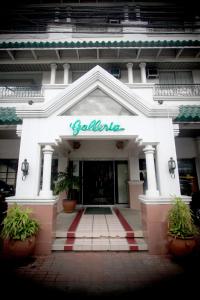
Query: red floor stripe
{"points": [[130, 233], [71, 231], [123, 221]]}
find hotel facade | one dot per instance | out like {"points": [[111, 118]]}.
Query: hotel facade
{"points": [[112, 88]]}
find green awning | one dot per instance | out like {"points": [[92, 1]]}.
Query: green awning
{"points": [[101, 44], [188, 113], [8, 116]]}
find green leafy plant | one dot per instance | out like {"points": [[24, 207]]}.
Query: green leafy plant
{"points": [[180, 220], [18, 224], [68, 182]]}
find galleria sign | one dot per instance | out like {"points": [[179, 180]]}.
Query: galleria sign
{"points": [[95, 126]]}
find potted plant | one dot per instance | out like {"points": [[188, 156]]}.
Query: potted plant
{"points": [[69, 183], [181, 228], [19, 232]]}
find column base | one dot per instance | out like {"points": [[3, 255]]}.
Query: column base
{"points": [[152, 193], [45, 211], [154, 212], [46, 194]]}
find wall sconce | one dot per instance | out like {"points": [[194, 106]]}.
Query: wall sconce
{"points": [[24, 168], [172, 167], [76, 145], [120, 144]]}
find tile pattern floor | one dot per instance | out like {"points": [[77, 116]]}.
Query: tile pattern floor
{"points": [[99, 233], [101, 275]]}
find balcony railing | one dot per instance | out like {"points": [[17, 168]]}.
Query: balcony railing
{"points": [[173, 90], [21, 91]]}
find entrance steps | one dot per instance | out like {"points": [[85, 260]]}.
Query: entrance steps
{"points": [[99, 233]]}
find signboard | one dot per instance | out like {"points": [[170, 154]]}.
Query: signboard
{"points": [[95, 126]]}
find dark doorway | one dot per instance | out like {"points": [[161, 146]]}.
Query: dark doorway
{"points": [[98, 182]]}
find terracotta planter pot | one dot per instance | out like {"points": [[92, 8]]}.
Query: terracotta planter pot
{"points": [[181, 247], [69, 205], [20, 249]]}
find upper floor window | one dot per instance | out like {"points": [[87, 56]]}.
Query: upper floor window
{"points": [[176, 77]]}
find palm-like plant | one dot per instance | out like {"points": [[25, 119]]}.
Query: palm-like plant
{"points": [[180, 220], [68, 182], [18, 224]]}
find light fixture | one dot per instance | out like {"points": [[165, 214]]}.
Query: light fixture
{"points": [[172, 167], [120, 144], [24, 168], [76, 145]]}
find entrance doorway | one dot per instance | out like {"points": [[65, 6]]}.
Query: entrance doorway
{"points": [[98, 183], [104, 182]]}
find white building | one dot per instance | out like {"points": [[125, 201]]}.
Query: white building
{"points": [[114, 88]]}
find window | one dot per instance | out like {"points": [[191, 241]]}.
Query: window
{"points": [[8, 171], [187, 176], [176, 77]]}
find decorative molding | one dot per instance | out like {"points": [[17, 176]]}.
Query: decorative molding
{"points": [[161, 199], [21, 100], [96, 78], [19, 130], [31, 200], [176, 129]]}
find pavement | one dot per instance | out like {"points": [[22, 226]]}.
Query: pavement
{"points": [[94, 275]]}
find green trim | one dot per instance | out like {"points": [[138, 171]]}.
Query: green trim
{"points": [[188, 113], [8, 116], [103, 44]]}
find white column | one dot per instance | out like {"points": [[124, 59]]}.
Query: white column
{"points": [[46, 178], [130, 72], [151, 175], [53, 73], [66, 73], [143, 72]]}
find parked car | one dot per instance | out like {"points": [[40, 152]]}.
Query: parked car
{"points": [[3, 209], [6, 189]]}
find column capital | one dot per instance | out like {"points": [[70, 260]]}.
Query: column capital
{"points": [[149, 149], [129, 65], [53, 66], [66, 66], [142, 65], [47, 149]]}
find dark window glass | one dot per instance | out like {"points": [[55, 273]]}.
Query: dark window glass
{"points": [[187, 176], [8, 174]]}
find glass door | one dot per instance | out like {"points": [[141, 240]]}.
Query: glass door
{"points": [[121, 182], [98, 183]]}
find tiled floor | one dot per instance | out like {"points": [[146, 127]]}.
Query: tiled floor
{"points": [[101, 275], [96, 232]]}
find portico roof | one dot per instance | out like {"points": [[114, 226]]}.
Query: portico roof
{"points": [[102, 44], [8, 116], [187, 113]]}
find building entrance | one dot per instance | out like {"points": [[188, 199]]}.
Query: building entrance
{"points": [[98, 183], [104, 182]]}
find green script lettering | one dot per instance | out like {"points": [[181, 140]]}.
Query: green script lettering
{"points": [[94, 125]]}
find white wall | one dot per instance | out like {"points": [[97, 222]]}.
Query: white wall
{"points": [[98, 150]]}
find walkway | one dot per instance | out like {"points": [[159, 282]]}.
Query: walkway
{"points": [[92, 275], [105, 230]]}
